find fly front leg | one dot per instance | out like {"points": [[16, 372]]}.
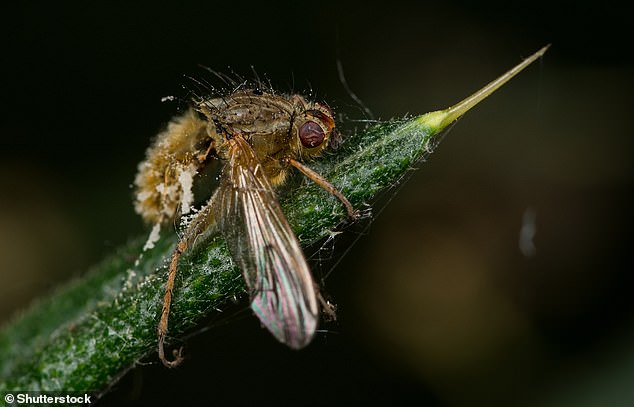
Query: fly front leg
{"points": [[323, 183]]}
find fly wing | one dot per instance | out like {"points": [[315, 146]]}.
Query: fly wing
{"points": [[263, 244]]}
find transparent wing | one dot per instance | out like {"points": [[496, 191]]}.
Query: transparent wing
{"points": [[263, 244]]}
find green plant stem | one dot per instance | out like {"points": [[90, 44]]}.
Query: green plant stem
{"points": [[86, 334]]}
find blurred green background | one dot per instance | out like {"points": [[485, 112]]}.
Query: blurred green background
{"points": [[437, 303]]}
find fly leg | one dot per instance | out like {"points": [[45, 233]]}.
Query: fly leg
{"points": [[181, 247], [203, 220], [323, 183], [327, 307], [203, 157]]}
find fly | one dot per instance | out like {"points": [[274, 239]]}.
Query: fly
{"points": [[259, 135]]}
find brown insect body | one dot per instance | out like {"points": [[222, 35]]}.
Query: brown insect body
{"points": [[274, 125], [259, 134]]}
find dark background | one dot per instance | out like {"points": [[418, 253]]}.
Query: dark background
{"points": [[437, 303]]}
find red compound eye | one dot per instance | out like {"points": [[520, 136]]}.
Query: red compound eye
{"points": [[311, 134]]}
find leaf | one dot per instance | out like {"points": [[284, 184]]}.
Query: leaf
{"points": [[89, 332]]}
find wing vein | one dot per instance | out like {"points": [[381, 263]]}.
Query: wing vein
{"points": [[263, 244]]}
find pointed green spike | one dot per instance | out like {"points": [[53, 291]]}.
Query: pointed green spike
{"points": [[440, 119]]}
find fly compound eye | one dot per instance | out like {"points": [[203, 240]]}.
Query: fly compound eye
{"points": [[311, 134]]}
